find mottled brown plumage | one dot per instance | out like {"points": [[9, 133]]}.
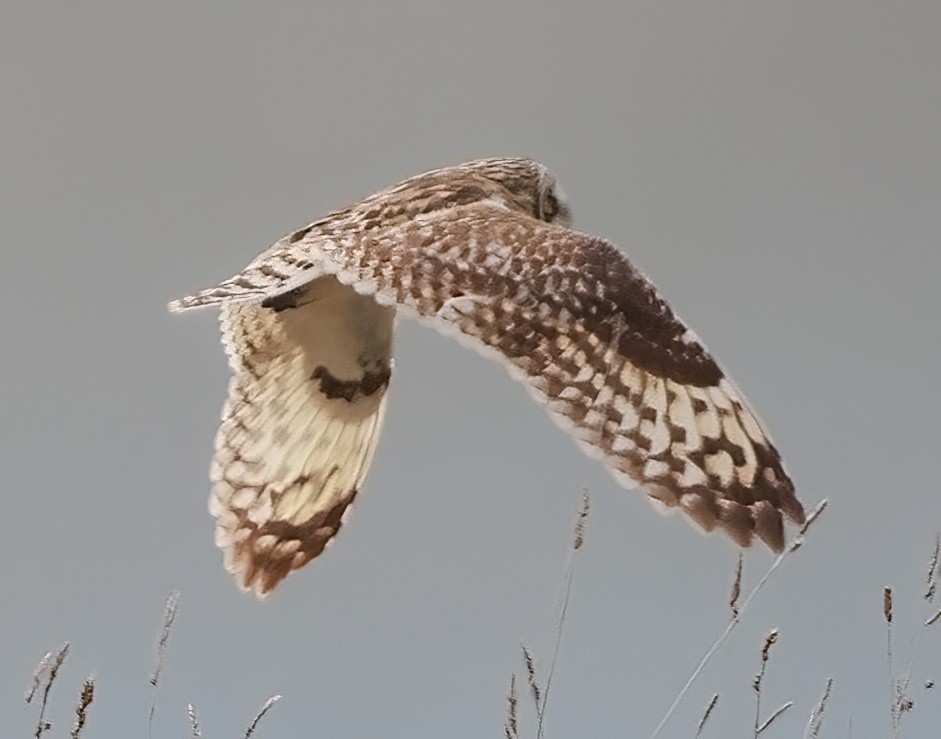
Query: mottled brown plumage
{"points": [[482, 250]]}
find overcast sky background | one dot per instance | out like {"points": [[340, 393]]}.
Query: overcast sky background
{"points": [[774, 167]]}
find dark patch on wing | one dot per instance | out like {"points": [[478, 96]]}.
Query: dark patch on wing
{"points": [[264, 570], [298, 235], [283, 301], [591, 281], [349, 390], [652, 335]]}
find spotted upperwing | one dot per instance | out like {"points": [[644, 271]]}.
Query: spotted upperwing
{"points": [[594, 339]]}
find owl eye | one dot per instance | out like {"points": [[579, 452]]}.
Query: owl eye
{"points": [[550, 207]]}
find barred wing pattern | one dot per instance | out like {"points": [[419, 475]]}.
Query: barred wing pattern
{"points": [[299, 427], [592, 337], [482, 251]]}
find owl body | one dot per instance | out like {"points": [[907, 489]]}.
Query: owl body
{"points": [[483, 251]]}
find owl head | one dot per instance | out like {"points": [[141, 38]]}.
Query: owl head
{"points": [[530, 183]]}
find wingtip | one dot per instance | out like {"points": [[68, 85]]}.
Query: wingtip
{"points": [[192, 302], [249, 575], [256, 589]]}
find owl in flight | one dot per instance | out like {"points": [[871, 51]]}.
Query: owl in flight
{"points": [[482, 251]]}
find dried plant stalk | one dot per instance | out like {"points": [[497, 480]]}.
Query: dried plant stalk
{"points": [[531, 676], [887, 613], [736, 588], [582, 520], [510, 726], [770, 641], [815, 722], [902, 701], [49, 667], [706, 715], [581, 523], [195, 731], [169, 616], [38, 674], [795, 544], [81, 710], [932, 579], [773, 717], [260, 715]]}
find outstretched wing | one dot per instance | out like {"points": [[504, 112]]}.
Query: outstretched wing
{"points": [[586, 331], [591, 336], [299, 427]]}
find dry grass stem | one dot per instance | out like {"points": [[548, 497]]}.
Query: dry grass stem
{"points": [[81, 710], [38, 674], [169, 616], [260, 715], [706, 715], [894, 692], [195, 732], [811, 520], [736, 588], [899, 701], [932, 581], [49, 667], [815, 722], [773, 717], [510, 726], [531, 677], [568, 577], [759, 678], [770, 641], [902, 701], [582, 520], [795, 544]]}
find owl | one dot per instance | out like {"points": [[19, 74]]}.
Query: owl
{"points": [[483, 251]]}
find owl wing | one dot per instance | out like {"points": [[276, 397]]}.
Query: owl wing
{"points": [[299, 427], [593, 339], [582, 328]]}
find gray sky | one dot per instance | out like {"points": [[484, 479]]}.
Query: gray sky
{"points": [[774, 167]]}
